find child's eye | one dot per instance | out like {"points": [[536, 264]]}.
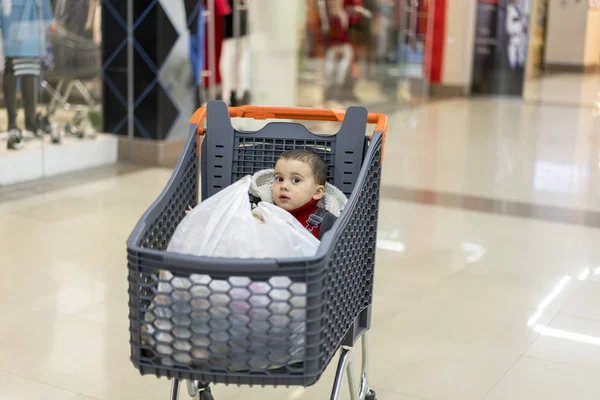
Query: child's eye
{"points": [[279, 179], [296, 180]]}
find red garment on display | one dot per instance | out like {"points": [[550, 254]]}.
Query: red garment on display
{"points": [[354, 17], [422, 10], [221, 9], [302, 214], [338, 32]]}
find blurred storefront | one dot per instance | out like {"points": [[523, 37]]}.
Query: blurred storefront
{"points": [[117, 80], [364, 51], [51, 72]]}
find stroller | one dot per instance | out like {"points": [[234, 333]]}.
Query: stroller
{"points": [[200, 335]]}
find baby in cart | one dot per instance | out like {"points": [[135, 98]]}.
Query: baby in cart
{"points": [[298, 184], [242, 324]]}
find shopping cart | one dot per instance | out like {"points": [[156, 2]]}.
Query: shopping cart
{"points": [[229, 320], [75, 59]]}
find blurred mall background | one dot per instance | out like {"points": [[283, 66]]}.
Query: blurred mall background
{"points": [[488, 269]]}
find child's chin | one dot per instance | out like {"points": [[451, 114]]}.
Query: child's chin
{"points": [[285, 206]]}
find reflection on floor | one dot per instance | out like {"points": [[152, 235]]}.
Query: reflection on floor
{"points": [[469, 305], [582, 90]]}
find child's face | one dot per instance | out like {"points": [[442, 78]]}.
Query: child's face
{"points": [[294, 185]]}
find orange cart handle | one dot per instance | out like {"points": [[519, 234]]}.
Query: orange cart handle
{"points": [[306, 114]]}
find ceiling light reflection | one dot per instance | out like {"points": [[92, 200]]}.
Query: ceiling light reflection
{"points": [[584, 274], [576, 337], [477, 251], [555, 292], [391, 245], [558, 333], [534, 318]]}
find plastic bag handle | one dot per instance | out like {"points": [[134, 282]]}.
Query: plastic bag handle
{"points": [[307, 114]]}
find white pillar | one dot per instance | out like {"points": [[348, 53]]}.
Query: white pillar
{"points": [[275, 32]]}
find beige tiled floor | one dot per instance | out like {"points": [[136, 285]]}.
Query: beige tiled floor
{"points": [[467, 305], [498, 148], [575, 89]]}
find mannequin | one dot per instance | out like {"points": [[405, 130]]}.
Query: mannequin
{"points": [[199, 46], [194, 16], [339, 54], [359, 32], [23, 24], [516, 27], [235, 56]]}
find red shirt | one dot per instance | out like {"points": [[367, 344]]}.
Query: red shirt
{"points": [[302, 214], [221, 9], [338, 33]]}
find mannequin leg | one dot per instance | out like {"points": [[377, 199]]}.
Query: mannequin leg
{"points": [[242, 67], [522, 52], [227, 68], [344, 64], [10, 93], [29, 93], [512, 54], [329, 67]]}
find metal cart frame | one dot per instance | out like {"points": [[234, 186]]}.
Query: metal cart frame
{"points": [[337, 282]]}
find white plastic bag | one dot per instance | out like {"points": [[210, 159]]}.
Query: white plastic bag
{"points": [[274, 311], [224, 226]]}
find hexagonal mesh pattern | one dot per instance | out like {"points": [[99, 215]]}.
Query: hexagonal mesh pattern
{"points": [[352, 264], [225, 325], [158, 235]]}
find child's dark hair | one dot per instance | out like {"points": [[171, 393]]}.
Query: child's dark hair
{"points": [[315, 161]]}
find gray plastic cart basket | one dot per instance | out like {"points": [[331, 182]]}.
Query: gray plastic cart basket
{"points": [[257, 321]]}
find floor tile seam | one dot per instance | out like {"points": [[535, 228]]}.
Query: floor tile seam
{"points": [[75, 393], [66, 181], [524, 356], [566, 302], [502, 376], [570, 315], [563, 363], [531, 343]]}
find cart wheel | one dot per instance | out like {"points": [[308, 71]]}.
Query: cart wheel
{"points": [[206, 395], [371, 395]]}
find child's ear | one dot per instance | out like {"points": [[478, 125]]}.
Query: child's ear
{"points": [[319, 193]]}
